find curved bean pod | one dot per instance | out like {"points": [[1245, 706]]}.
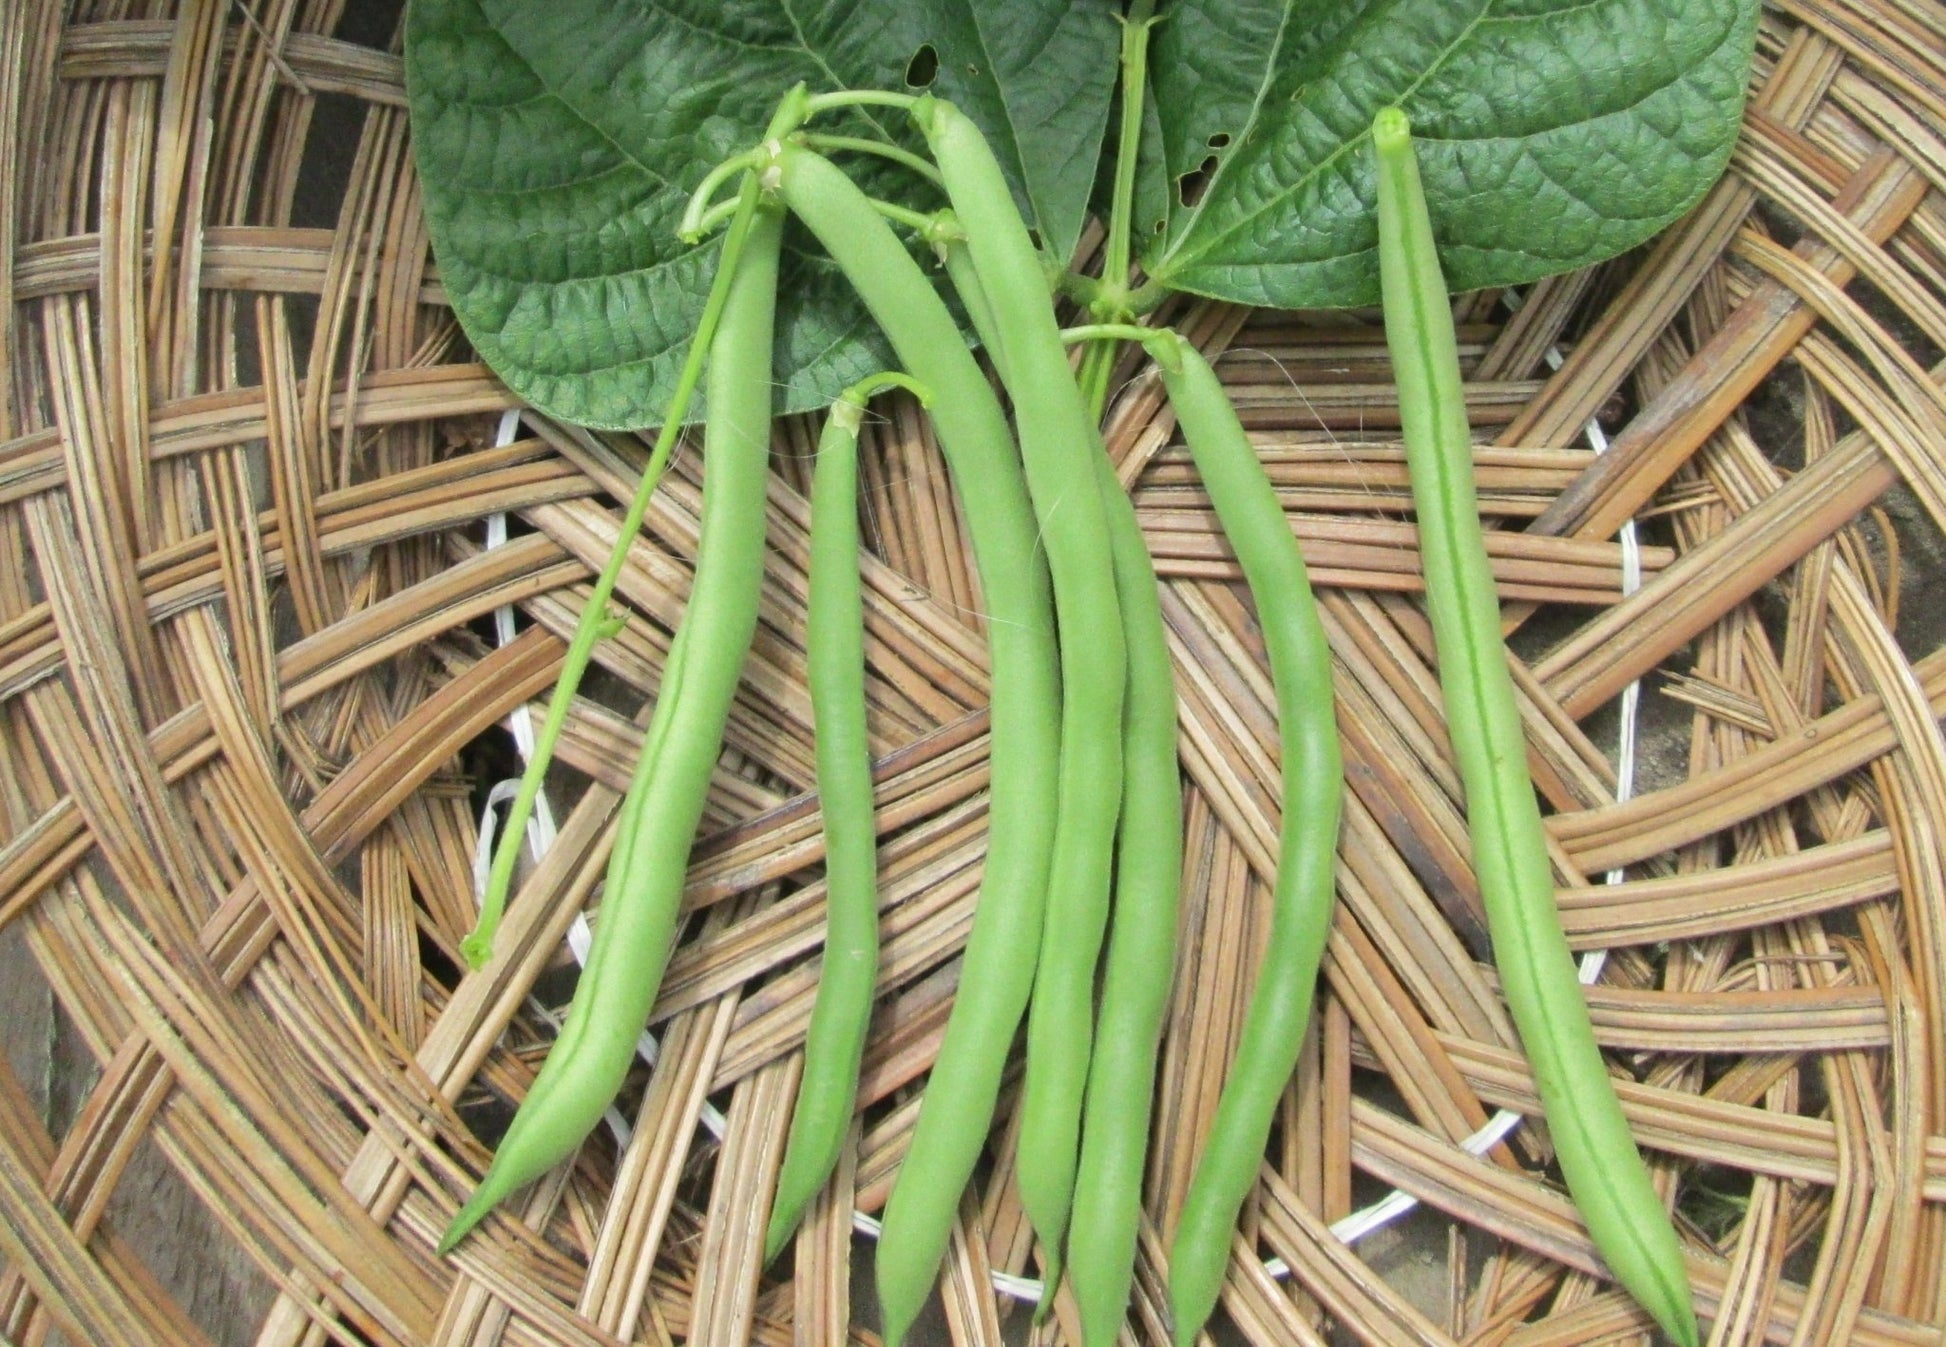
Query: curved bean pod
{"points": [[1605, 1174], [1141, 947], [835, 641], [1058, 445], [998, 969], [1313, 800], [646, 870]]}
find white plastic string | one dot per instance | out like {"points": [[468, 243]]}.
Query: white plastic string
{"points": [[540, 826]]}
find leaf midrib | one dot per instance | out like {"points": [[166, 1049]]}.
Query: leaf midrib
{"points": [[1181, 259]]}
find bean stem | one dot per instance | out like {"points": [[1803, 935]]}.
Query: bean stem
{"points": [[827, 1091], [826, 144], [1605, 1173], [1312, 799], [997, 970], [1110, 302]]}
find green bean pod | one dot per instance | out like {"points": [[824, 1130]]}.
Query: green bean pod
{"points": [[1313, 801], [646, 870], [1059, 445], [1136, 981], [827, 1091], [1141, 948], [1605, 1173], [997, 972]]}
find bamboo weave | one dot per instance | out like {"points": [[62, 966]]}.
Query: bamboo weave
{"points": [[249, 688]]}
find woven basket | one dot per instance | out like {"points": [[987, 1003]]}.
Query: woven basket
{"points": [[251, 691]]}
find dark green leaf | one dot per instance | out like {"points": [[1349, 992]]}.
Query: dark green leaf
{"points": [[1552, 134], [557, 143]]}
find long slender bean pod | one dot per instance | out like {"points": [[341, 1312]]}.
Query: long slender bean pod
{"points": [[1142, 939], [477, 946], [835, 641], [1605, 1173], [997, 972], [644, 883], [1141, 947], [1313, 799], [1058, 446]]}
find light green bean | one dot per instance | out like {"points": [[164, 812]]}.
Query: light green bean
{"points": [[1605, 1174], [834, 640], [1058, 446], [1313, 801], [646, 870], [997, 972]]}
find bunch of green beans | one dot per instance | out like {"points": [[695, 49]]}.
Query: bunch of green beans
{"points": [[1086, 794], [1604, 1172], [998, 969]]}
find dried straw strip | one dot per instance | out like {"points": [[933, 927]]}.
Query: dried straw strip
{"points": [[731, 1259], [1525, 1212], [1690, 905], [91, 1300], [32, 463], [1365, 475], [1822, 751], [256, 259], [966, 1284], [1328, 1270], [821, 1307], [637, 1210], [1619, 646], [1382, 554], [1762, 330]]}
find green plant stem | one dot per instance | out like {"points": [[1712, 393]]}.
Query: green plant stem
{"points": [[1312, 801], [643, 888], [1058, 445], [698, 208], [1110, 302], [829, 145], [997, 971], [923, 223], [1135, 86], [857, 98], [835, 643], [1605, 1173]]}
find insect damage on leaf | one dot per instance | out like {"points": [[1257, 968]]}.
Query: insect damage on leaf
{"points": [[1553, 133], [558, 143]]}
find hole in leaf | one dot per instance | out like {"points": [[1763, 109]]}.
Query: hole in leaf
{"points": [[1189, 187], [972, 69], [1219, 140], [1159, 226], [923, 68]]}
